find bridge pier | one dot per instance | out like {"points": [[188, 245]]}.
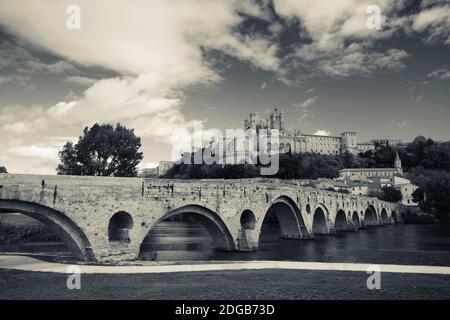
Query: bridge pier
{"points": [[247, 241]]}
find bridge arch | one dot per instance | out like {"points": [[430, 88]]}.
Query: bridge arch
{"points": [[394, 217], [370, 216], [119, 227], [340, 222], [355, 220], [248, 220], [289, 218], [320, 220], [384, 217], [210, 220], [56, 221]]}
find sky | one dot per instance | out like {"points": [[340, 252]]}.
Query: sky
{"points": [[159, 66]]}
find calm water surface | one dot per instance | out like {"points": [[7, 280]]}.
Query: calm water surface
{"points": [[399, 244]]}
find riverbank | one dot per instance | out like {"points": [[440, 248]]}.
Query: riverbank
{"points": [[18, 229], [243, 284], [25, 263]]}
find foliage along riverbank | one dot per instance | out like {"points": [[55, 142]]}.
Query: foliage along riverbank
{"points": [[18, 234]]}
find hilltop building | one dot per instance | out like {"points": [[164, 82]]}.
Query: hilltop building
{"points": [[366, 174], [298, 142], [367, 180]]}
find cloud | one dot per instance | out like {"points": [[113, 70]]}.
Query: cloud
{"points": [[165, 51], [82, 81], [171, 47], [309, 102], [435, 22], [440, 74], [401, 124], [18, 66], [149, 165], [322, 133], [336, 42], [35, 151], [416, 99]]}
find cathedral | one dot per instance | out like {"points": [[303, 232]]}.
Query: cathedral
{"points": [[298, 142]]}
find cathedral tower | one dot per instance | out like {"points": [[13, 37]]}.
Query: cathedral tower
{"points": [[398, 163]]}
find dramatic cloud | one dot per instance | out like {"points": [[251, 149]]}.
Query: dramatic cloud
{"points": [[160, 54], [338, 43], [150, 53], [440, 74], [435, 22]]}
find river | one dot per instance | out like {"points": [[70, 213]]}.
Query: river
{"points": [[396, 244]]}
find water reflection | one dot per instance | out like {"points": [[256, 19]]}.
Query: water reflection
{"points": [[188, 241], [406, 244]]}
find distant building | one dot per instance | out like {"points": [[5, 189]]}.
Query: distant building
{"points": [[407, 189], [386, 142], [164, 166], [374, 179], [366, 174], [159, 171], [293, 142], [149, 173], [347, 186], [365, 146], [297, 142]]}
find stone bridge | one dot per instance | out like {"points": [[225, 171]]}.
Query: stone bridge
{"points": [[103, 218]]}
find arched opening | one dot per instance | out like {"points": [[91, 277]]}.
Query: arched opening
{"points": [[384, 217], [283, 220], [287, 148], [355, 220], [308, 209], [370, 216], [119, 227], [190, 233], [340, 223], [319, 222], [248, 220], [56, 222], [394, 217]]}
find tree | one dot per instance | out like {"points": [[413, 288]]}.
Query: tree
{"points": [[3, 170], [391, 194], [433, 194], [103, 150]]}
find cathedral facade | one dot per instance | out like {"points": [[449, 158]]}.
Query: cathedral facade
{"points": [[298, 142]]}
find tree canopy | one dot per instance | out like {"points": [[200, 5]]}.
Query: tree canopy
{"points": [[3, 170], [389, 194], [102, 150]]}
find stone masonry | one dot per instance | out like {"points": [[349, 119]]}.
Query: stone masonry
{"points": [[104, 218]]}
